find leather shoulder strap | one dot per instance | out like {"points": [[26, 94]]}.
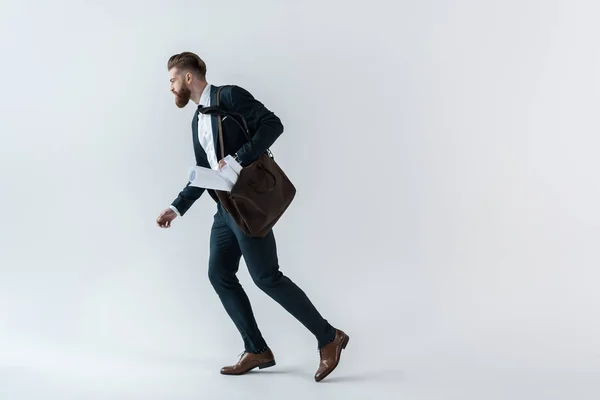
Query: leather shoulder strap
{"points": [[219, 119]]}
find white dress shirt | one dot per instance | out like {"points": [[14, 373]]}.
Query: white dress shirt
{"points": [[205, 135]]}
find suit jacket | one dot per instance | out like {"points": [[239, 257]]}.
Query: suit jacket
{"points": [[264, 126]]}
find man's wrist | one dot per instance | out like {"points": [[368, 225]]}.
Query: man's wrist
{"points": [[176, 210]]}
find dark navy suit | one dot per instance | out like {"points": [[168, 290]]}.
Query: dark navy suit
{"points": [[228, 244]]}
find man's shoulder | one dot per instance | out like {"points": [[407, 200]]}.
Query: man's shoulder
{"points": [[234, 94], [230, 88]]}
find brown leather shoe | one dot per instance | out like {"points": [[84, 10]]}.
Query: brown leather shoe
{"points": [[249, 361], [330, 355]]}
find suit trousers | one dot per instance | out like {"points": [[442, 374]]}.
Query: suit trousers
{"points": [[227, 245]]}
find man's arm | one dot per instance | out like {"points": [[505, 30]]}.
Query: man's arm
{"points": [[186, 198], [265, 127]]}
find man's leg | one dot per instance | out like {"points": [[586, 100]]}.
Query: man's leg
{"points": [[225, 255], [261, 258]]}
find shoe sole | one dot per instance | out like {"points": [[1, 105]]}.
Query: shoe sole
{"points": [[339, 357], [259, 366]]}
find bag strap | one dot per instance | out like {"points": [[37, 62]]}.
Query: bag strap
{"points": [[219, 119]]}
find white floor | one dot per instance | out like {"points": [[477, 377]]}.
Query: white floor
{"points": [[367, 372]]}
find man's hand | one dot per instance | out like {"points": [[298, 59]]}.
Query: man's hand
{"points": [[165, 218], [222, 163]]}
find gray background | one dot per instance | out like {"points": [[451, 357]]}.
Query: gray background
{"points": [[445, 155]]}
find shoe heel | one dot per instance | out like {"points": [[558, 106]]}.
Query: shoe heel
{"points": [[266, 365], [345, 342]]}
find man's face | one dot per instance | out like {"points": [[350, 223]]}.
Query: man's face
{"points": [[180, 87]]}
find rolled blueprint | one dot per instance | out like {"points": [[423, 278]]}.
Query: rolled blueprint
{"points": [[214, 179]]}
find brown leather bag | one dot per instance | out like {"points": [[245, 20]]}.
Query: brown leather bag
{"points": [[261, 194]]}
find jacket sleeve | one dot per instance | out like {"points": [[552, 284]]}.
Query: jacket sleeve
{"points": [[265, 127], [186, 198]]}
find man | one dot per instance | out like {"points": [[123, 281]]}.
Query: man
{"points": [[227, 243]]}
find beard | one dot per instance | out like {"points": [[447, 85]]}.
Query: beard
{"points": [[182, 98]]}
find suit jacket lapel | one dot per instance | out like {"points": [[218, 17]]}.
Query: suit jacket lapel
{"points": [[201, 159], [195, 139]]}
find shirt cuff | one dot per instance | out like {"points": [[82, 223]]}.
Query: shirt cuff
{"points": [[176, 210]]}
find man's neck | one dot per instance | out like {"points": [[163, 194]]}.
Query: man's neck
{"points": [[198, 92]]}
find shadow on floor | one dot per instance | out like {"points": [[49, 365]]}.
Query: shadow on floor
{"points": [[387, 376], [277, 371], [338, 376]]}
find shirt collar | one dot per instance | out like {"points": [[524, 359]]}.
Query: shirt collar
{"points": [[205, 96]]}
